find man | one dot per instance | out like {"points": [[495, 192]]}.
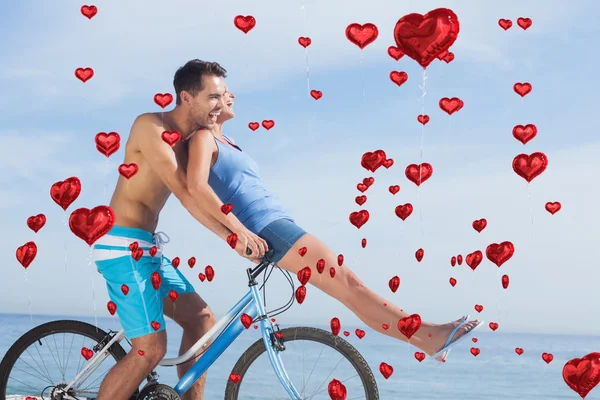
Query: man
{"points": [[199, 89]]}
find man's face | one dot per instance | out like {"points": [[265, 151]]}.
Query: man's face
{"points": [[206, 106]]}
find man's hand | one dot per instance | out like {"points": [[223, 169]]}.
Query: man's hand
{"points": [[248, 240]]}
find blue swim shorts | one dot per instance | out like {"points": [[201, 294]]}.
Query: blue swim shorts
{"points": [[281, 235], [139, 306]]}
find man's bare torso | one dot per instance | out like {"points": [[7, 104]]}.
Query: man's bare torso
{"points": [[137, 202]]}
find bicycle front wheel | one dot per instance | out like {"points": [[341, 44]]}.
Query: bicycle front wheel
{"points": [[313, 358], [49, 356]]}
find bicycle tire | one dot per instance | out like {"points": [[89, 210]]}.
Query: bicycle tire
{"points": [[313, 334], [41, 331]]}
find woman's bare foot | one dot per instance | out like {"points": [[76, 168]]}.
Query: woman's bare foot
{"points": [[441, 333]]}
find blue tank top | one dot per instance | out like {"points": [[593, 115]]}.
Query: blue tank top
{"points": [[234, 178]]}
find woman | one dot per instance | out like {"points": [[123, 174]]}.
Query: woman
{"points": [[220, 173]]}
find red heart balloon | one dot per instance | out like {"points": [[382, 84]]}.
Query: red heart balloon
{"points": [[459, 259], [395, 53], [316, 94], [547, 357], [89, 11], [519, 350], [582, 374], [452, 282], [335, 326], [399, 78], [175, 262], [244, 23], [173, 295], [371, 161], [493, 326], [332, 272], [137, 254], [202, 277], [84, 74], [448, 58], [418, 174], [163, 99], [522, 89], [505, 23], [171, 137], [500, 253], [268, 124], [156, 279], [302, 251], [385, 327], [475, 351], [112, 307], [451, 105], [453, 261], [359, 333], [210, 273], [363, 243], [474, 259], [124, 289], [64, 193], [386, 370], [300, 294], [87, 353], [360, 200], [235, 378], [336, 390], [388, 163], [479, 224], [155, 325], [409, 325], [359, 218], [246, 320], [419, 355], [394, 283], [320, 266], [423, 37], [91, 225], [423, 119], [505, 281], [304, 275], [524, 23], [551, 207], [128, 170], [26, 254], [419, 254], [524, 133], [478, 308], [530, 166], [36, 222], [226, 208], [394, 189], [362, 35], [108, 143], [192, 262], [340, 259], [368, 181], [304, 41], [232, 240], [403, 211], [133, 246], [253, 125]]}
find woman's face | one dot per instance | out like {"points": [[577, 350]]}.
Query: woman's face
{"points": [[227, 110]]}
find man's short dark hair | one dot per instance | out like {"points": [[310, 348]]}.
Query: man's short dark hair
{"points": [[189, 77]]}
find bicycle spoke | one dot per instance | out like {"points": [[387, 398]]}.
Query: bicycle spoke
{"points": [[41, 358]]}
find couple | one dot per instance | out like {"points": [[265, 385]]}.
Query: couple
{"points": [[206, 170]]}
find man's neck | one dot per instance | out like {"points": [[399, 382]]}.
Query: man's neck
{"points": [[181, 123]]}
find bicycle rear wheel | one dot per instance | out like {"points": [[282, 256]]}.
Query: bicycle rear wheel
{"points": [[321, 357], [38, 362]]}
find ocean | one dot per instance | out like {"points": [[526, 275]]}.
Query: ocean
{"points": [[496, 373]]}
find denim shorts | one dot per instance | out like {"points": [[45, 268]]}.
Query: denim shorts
{"points": [[281, 235]]}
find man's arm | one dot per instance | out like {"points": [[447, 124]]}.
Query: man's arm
{"points": [[162, 160]]}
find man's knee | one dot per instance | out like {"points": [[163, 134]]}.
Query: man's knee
{"points": [[150, 348]]}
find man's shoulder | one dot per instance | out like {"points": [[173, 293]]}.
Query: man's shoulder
{"points": [[147, 119]]}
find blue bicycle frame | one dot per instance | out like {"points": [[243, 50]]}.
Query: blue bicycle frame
{"points": [[250, 304]]}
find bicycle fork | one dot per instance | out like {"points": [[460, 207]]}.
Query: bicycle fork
{"points": [[273, 350]]}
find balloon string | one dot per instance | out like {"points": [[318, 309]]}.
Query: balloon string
{"points": [[246, 53], [363, 76], [28, 298], [422, 98], [306, 48], [530, 210], [65, 239], [89, 259], [105, 177]]}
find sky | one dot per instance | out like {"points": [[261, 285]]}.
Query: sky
{"points": [[311, 158]]}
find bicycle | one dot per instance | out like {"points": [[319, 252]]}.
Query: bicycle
{"points": [[275, 342]]}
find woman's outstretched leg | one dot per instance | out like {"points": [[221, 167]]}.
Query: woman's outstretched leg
{"points": [[347, 288]]}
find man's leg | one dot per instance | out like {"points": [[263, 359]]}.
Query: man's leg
{"points": [[195, 317], [127, 375]]}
